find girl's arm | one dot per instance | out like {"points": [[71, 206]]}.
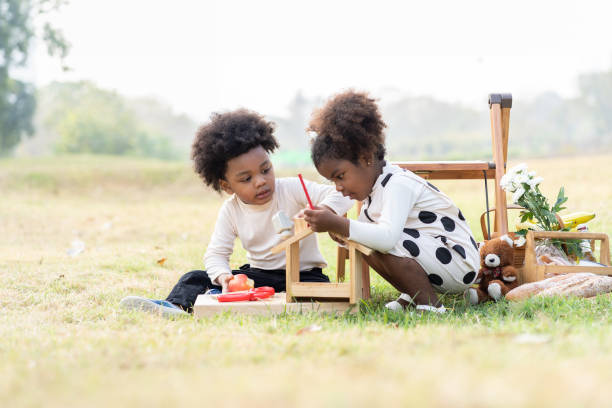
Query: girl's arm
{"points": [[398, 201], [324, 196], [221, 246]]}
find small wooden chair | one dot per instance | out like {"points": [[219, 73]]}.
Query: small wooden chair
{"points": [[499, 107]]}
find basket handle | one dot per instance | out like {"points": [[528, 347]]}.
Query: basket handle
{"points": [[483, 224]]}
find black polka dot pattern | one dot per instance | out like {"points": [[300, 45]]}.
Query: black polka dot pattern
{"points": [[432, 186], [460, 215], [459, 250], [412, 232], [448, 224], [427, 217], [435, 279], [474, 243], [412, 248], [443, 255], [469, 277]]}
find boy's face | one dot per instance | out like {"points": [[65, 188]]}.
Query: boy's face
{"points": [[352, 180], [250, 176]]}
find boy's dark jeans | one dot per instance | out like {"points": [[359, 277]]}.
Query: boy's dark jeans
{"points": [[193, 283]]}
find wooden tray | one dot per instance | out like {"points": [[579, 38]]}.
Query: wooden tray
{"points": [[208, 305]]}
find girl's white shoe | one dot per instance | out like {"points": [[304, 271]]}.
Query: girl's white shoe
{"points": [[428, 308], [397, 306]]}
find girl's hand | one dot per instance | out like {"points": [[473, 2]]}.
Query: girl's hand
{"points": [[322, 220], [340, 240], [300, 214]]}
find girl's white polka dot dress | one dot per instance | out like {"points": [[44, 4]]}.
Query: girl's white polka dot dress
{"points": [[409, 217]]}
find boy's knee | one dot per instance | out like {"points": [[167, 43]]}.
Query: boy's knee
{"points": [[194, 277]]}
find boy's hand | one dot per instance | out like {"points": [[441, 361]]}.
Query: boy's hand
{"points": [[323, 219], [223, 280]]}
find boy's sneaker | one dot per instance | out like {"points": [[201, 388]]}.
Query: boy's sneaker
{"points": [[162, 307]]}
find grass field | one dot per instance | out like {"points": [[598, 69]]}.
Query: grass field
{"points": [[64, 342]]}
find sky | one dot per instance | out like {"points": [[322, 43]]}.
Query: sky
{"points": [[206, 56]]}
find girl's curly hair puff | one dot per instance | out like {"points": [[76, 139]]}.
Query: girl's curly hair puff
{"points": [[348, 127], [226, 136]]}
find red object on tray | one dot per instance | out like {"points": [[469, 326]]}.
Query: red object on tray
{"points": [[262, 292]]}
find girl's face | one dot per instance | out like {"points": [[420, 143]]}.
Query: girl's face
{"points": [[352, 180], [250, 176]]}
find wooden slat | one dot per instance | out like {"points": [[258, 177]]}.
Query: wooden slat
{"points": [[569, 235], [446, 165], [529, 270], [297, 237], [356, 259], [505, 131], [558, 269], [449, 170], [292, 273], [341, 257], [501, 216], [604, 251], [365, 277], [320, 290], [361, 248]]}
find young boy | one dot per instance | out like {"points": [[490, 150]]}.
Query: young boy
{"points": [[230, 154]]}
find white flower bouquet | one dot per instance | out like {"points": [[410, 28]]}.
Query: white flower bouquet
{"points": [[524, 186]]}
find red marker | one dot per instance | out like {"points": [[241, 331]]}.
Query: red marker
{"points": [[306, 192]]}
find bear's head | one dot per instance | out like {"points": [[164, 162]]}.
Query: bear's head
{"points": [[497, 252]]}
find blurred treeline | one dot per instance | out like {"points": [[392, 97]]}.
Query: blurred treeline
{"points": [[80, 117]]}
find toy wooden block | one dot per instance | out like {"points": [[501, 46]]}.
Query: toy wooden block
{"points": [[532, 272], [208, 305], [349, 292]]}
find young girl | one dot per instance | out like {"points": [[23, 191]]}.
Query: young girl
{"points": [[422, 241]]}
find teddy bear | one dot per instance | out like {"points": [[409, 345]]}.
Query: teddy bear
{"points": [[497, 276]]}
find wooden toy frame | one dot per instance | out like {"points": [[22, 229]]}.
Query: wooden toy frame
{"points": [[351, 292]]}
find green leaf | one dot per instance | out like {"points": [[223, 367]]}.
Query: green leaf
{"points": [[561, 199]]}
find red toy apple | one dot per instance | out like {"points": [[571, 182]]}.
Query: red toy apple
{"points": [[240, 282]]}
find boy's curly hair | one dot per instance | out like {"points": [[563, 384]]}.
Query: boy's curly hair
{"points": [[226, 136], [348, 127]]}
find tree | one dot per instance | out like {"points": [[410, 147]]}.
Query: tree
{"points": [[17, 97]]}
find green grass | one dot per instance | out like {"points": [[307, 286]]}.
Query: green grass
{"points": [[63, 341]]}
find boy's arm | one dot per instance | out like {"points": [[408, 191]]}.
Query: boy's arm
{"points": [[221, 246], [398, 201]]}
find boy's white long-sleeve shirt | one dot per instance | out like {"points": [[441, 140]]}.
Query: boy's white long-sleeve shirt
{"points": [[252, 224]]}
